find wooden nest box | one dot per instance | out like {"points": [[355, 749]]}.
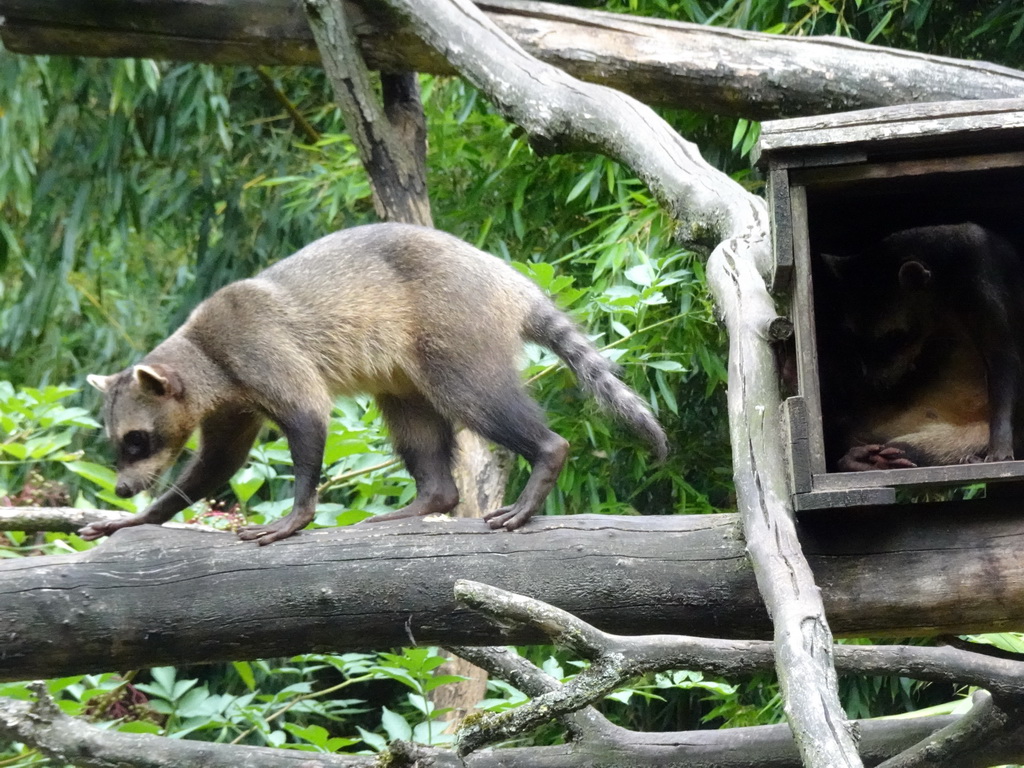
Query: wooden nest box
{"points": [[891, 228]]}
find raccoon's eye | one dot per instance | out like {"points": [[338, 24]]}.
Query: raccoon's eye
{"points": [[135, 444]]}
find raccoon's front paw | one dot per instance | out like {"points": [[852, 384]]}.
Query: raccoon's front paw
{"points": [[102, 528], [862, 458]]}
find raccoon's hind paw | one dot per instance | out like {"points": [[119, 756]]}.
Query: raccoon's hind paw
{"points": [[265, 534], [975, 458], [509, 518], [1002, 456], [862, 458]]}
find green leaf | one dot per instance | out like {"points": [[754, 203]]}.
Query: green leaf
{"points": [[672, 366], [582, 184], [17, 450], [739, 132], [374, 741], [641, 274], [102, 476], [244, 670], [247, 481], [395, 725], [139, 726]]}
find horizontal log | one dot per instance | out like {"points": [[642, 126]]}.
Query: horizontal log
{"points": [[152, 595], [688, 66]]}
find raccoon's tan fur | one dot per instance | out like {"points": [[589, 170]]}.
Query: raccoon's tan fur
{"points": [[945, 420], [429, 325]]}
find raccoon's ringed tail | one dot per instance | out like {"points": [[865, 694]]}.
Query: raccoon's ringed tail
{"points": [[596, 374]]}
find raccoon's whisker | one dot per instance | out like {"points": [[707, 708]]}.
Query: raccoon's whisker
{"points": [[188, 501], [160, 484]]}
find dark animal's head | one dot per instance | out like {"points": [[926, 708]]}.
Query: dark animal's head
{"points": [[887, 313]]}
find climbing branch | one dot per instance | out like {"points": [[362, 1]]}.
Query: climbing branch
{"points": [[617, 659]]}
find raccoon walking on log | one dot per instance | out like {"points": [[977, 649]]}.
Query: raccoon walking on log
{"points": [[426, 323]]}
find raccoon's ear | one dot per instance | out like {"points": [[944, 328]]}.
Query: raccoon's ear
{"points": [[839, 266], [914, 275], [158, 380], [100, 382]]}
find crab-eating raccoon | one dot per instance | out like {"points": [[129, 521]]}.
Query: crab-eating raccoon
{"points": [[429, 325], [926, 363]]}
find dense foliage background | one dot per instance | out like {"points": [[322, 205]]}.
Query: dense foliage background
{"points": [[129, 190]]}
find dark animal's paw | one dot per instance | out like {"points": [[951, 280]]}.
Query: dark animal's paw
{"points": [[1003, 456], [862, 458], [974, 458]]}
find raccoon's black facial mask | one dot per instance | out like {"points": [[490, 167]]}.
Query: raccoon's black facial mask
{"points": [[136, 445]]}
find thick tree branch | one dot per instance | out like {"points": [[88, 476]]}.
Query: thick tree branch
{"points": [[177, 596], [959, 743], [390, 140], [617, 659], [75, 742], [66, 519], [67, 740], [722, 71]]}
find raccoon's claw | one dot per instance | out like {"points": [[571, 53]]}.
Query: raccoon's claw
{"points": [[101, 528], [1004, 456], [862, 458], [265, 534], [509, 518]]}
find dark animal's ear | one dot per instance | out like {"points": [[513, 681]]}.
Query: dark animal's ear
{"points": [[100, 382], [914, 275], [839, 266], [158, 380]]}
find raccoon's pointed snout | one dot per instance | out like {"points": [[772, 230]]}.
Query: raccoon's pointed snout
{"points": [[124, 490], [129, 486]]}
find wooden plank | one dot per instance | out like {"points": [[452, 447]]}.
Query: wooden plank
{"points": [[946, 121], [798, 460], [822, 501], [901, 113], [908, 168], [811, 157], [782, 231], [806, 337], [995, 471]]}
